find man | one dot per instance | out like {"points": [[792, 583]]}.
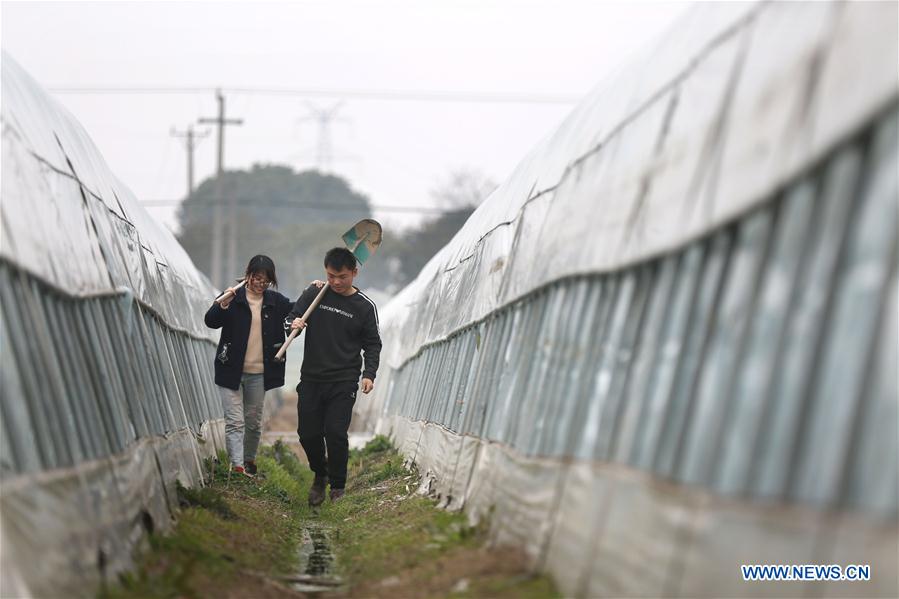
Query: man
{"points": [[344, 323]]}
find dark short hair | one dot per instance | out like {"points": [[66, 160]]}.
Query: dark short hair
{"points": [[340, 258], [262, 264]]}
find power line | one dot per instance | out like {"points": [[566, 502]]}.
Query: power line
{"points": [[362, 94], [158, 203]]}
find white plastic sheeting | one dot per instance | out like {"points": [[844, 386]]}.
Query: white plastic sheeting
{"points": [[734, 102], [69, 222], [106, 387], [666, 346]]}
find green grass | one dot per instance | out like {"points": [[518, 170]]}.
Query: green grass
{"points": [[204, 497], [384, 529], [226, 529], [235, 534]]}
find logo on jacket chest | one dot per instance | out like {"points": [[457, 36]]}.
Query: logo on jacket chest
{"points": [[335, 310]]}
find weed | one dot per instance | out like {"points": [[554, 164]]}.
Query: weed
{"points": [[379, 444], [205, 497], [393, 468]]}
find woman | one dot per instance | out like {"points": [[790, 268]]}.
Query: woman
{"points": [[251, 319]]}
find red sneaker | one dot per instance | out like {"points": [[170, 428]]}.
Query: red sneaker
{"points": [[241, 470]]}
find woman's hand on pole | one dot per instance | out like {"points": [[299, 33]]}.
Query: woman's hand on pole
{"points": [[229, 294]]}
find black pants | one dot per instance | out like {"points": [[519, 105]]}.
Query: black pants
{"points": [[324, 412]]}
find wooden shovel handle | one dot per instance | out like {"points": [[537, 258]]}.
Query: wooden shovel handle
{"points": [[228, 294], [280, 355]]}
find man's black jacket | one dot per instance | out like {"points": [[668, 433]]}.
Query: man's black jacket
{"points": [[336, 332]]}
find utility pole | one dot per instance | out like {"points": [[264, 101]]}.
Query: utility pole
{"points": [[216, 248], [191, 143]]}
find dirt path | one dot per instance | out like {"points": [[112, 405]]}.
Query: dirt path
{"points": [[241, 537]]}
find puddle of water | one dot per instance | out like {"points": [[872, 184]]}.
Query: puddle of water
{"points": [[315, 574], [317, 552]]}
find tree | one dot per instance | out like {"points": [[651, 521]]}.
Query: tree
{"points": [[463, 188], [294, 218]]}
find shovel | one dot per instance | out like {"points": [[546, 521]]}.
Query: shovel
{"points": [[363, 240]]}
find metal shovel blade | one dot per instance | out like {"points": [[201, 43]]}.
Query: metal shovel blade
{"points": [[363, 239]]}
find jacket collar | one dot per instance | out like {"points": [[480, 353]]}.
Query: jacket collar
{"points": [[268, 297], [241, 296]]}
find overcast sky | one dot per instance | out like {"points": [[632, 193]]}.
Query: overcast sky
{"points": [[393, 150]]}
